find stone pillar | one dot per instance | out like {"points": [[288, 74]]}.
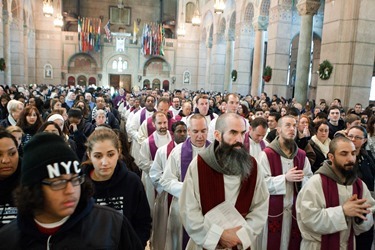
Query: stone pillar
{"points": [[25, 53], [218, 63], [7, 18], [260, 24], [228, 66], [242, 57], [278, 47], [306, 9], [208, 67], [349, 46]]}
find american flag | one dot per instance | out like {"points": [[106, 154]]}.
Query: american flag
{"points": [[108, 31]]}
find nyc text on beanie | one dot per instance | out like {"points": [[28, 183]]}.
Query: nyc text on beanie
{"points": [[47, 155]]}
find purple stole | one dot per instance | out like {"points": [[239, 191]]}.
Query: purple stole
{"points": [[246, 143], [187, 156], [212, 190], [331, 195], [153, 147], [170, 147], [276, 205], [151, 127], [143, 117]]}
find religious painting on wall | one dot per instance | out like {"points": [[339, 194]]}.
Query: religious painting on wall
{"points": [[119, 15], [186, 77], [48, 71]]}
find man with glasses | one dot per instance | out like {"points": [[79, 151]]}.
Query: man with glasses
{"points": [[365, 170], [334, 122], [55, 208]]}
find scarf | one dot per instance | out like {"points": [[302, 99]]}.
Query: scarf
{"points": [[324, 147], [275, 145]]}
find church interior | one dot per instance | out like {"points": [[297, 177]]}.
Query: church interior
{"points": [[303, 49]]}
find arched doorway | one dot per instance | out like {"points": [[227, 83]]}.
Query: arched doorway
{"points": [[156, 84], [146, 84], [166, 85], [92, 81], [82, 80], [71, 81]]}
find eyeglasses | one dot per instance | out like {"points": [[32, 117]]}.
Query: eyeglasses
{"points": [[357, 138], [61, 184]]}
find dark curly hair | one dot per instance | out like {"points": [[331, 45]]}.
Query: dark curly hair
{"points": [[30, 199]]}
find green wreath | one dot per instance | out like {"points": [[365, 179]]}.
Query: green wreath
{"points": [[234, 75], [2, 64], [325, 70]]}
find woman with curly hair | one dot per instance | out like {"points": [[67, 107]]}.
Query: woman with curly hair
{"points": [[29, 121]]}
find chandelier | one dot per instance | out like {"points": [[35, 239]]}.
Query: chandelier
{"points": [[47, 8], [181, 23], [58, 22], [196, 20], [219, 6]]}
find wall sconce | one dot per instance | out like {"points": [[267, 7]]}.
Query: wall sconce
{"points": [[100, 77], [139, 21], [139, 78], [173, 79]]}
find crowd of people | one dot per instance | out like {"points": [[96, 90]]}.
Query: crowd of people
{"points": [[184, 169]]}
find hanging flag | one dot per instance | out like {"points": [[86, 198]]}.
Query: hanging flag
{"points": [[135, 32], [108, 31]]}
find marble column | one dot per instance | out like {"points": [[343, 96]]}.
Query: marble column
{"points": [[242, 57], [228, 66], [278, 47], [7, 18], [306, 9], [260, 24], [217, 63], [25, 53]]}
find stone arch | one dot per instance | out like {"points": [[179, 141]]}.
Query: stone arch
{"points": [[189, 11], [5, 5], [210, 36], [249, 13], [265, 7], [15, 9], [156, 66], [82, 62], [204, 35], [221, 30], [232, 27]]}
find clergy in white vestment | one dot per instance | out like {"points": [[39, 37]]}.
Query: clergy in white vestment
{"points": [[174, 175], [203, 108], [159, 138], [254, 139], [224, 174], [232, 103], [286, 169], [176, 106], [135, 122], [147, 127], [163, 198], [335, 205]]}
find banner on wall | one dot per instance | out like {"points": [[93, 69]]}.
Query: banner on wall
{"points": [[89, 34], [153, 39]]}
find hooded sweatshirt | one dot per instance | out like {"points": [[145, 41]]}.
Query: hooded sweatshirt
{"points": [[124, 192]]}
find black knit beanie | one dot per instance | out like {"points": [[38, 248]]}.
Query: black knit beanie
{"points": [[47, 155]]}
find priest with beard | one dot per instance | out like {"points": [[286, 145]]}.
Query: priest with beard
{"points": [[335, 204], [286, 169], [224, 171]]}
